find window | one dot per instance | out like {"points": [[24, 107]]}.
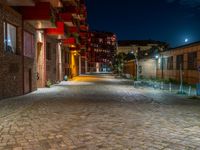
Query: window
{"points": [[48, 51], [10, 35], [164, 61], [170, 63], [179, 62], [28, 44], [192, 61]]}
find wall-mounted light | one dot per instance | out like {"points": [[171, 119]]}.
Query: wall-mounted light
{"points": [[156, 56]]}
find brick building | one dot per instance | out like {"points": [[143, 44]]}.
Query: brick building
{"points": [[186, 58], [39, 42], [169, 63], [102, 47]]}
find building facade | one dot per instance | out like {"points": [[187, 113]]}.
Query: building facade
{"points": [[169, 64], [40, 42], [180, 61], [145, 51], [102, 48]]}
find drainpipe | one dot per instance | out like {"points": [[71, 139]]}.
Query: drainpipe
{"points": [[59, 63]]}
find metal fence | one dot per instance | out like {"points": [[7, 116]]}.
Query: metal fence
{"points": [[174, 88]]}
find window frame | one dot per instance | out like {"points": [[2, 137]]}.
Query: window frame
{"points": [[178, 66], [5, 38], [192, 65], [170, 62], [32, 44]]}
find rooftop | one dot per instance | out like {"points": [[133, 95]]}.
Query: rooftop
{"points": [[139, 42]]}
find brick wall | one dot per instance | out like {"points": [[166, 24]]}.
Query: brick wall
{"points": [[51, 64], [189, 76], [10, 64], [30, 64], [14, 77]]}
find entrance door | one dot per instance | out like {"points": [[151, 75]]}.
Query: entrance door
{"points": [[28, 81]]}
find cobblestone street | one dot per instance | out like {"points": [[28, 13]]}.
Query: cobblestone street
{"points": [[99, 112]]}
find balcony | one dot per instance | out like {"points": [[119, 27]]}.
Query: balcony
{"points": [[59, 32], [54, 3], [67, 18], [69, 42], [70, 2], [73, 29], [20, 2], [84, 28], [41, 16], [83, 35]]}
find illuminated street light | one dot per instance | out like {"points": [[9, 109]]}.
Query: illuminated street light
{"points": [[156, 56]]}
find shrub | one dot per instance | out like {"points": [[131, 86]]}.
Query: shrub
{"points": [[48, 84]]}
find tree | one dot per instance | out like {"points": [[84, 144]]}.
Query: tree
{"points": [[118, 63]]}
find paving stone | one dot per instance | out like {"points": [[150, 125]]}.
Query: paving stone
{"points": [[99, 112]]}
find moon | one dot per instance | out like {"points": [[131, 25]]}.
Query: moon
{"points": [[186, 40]]}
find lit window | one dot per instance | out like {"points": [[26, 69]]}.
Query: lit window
{"points": [[10, 34], [28, 44]]}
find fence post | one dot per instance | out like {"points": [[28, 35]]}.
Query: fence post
{"points": [[170, 87], [189, 91]]}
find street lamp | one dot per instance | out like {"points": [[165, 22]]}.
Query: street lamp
{"points": [[156, 56]]}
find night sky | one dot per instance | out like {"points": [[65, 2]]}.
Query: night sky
{"points": [[171, 21]]}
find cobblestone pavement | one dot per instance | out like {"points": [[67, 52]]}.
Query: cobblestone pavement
{"points": [[99, 112]]}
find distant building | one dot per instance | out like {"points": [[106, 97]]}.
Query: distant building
{"points": [[128, 46], [147, 51], [102, 50]]}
